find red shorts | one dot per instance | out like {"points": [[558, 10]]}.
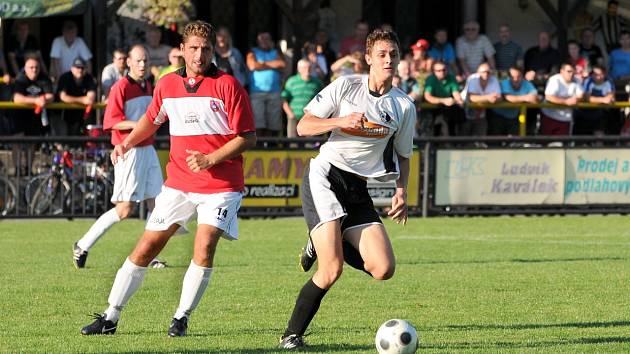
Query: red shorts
{"points": [[550, 126]]}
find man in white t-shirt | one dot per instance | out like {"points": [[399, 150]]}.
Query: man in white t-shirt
{"points": [[562, 88], [481, 87], [113, 72], [371, 126], [66, 48], [473, 49]]}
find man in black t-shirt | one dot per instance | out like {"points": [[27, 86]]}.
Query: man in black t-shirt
{"points": [[31, 87], [75, 86]]}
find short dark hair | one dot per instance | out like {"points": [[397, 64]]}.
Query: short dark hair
{"points": [[624, 33], [119, 51], [441, 29], [613, 2], [598, 66], [200, 29], [514, 67], [69, 25], [380, 35], [31, 55], [438, 62], [566, 63]]}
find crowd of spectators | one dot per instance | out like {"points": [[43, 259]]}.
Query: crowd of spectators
{"points": [[451, 75]]}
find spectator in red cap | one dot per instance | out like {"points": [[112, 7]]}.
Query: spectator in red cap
{"points": [[420, 61]]}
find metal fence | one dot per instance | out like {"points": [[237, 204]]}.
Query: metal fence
{"points": [[73, 177], [69, 177]]}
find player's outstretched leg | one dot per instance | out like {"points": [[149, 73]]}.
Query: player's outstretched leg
{"points": [[194, 285], [308, 256], [128, 279], [196, 278], [327, 241], [98, 229]]}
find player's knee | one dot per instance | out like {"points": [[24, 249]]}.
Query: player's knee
{"points": [[329, 274], [382, 271], [124, 210]]}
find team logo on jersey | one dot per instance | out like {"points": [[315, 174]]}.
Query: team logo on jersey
{"points": [[191, 118], [214, 106], [368, 130], [191, 81], [318, 97], [385, 117]]}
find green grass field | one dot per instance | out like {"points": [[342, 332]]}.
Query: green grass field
{"points": [[469, 285]]}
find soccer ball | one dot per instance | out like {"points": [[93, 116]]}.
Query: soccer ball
{"points": [[396, 337]]}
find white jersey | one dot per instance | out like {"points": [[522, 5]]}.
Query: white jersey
{"points": [[370, 151]]}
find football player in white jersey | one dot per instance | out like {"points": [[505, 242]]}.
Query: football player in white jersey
{"points": [[372, 127]]}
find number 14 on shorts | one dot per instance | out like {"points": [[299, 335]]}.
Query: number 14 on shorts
{"points": [[222, 213]]}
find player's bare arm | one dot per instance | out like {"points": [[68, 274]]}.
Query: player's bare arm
{"points": [[198, 161], [311, 125], [125, 125], [143, 129], [398, 213]]}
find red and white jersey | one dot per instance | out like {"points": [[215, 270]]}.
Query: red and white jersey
{"points": [[204, 113], [128, 100]]}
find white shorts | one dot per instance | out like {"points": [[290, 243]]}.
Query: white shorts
{"points": [[173, 206], [138, 176]]}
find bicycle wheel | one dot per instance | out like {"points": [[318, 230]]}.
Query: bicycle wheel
{"points": [[7, 196], [33, 184], [48, 197]]}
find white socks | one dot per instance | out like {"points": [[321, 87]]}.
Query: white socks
{"points": [[100, 226], [128, 280], [130, 277], [195, 283]]}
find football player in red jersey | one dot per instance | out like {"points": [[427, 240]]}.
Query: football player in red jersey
{"points": [[205, 173]]}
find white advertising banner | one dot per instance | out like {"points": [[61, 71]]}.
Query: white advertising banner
{"points": [[500, 177], [597, 176]]}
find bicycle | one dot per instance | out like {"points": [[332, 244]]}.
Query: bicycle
{"points": [[55, 186], [8, 196]]}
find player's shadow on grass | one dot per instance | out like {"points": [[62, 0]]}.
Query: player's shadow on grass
{"points": [[518, 260], [528, 344], [474, 327], [322, 348]]}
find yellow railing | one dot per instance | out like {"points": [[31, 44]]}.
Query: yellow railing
{"points": [[54, 105], [522, 108]]}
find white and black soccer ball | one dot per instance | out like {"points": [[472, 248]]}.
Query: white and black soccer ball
{"points": [[396, 337]]}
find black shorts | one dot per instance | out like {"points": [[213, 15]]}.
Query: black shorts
{"points": [[329, 193]]}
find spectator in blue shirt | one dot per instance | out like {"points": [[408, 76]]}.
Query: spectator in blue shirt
{"points": [[620, 58], [597, 89], [443, 51], [515, 90]]}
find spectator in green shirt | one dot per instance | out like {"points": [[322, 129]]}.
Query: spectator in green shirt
{"points": [[297, 93], [442, 89]]}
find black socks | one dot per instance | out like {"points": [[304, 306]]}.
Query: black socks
{"points": [[306, 307]]}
